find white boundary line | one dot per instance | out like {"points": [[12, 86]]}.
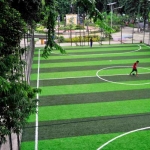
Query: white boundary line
{"points": [[37, 104], [121, 136], [100, 77], [146, 45]]}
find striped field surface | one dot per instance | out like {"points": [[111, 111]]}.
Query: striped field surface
{"points": [[89, 101]]}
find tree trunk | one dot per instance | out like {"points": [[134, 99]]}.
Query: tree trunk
{"points": [[10, 142], [18, 141]]}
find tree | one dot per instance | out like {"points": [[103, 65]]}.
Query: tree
{"points": [[16, 96], [30, 10], [52, 15]]}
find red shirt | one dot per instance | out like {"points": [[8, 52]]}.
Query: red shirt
{"points": [[134, 65]]}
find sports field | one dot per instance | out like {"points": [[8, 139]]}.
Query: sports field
{"points": [[89, 101]]}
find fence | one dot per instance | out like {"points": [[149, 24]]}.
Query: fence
{"points": [[28, 43], [125, 35]]}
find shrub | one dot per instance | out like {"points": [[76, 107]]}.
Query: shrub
{"points": [[79, 27], [95, 38]]}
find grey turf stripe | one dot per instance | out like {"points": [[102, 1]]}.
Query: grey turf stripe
{"points": [[91, 80], [82, 68], [94, 97], [87, 126], [103, 52], [91, 59]]}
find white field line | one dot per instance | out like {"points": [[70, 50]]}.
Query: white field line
{"points": [[100, 77], [90, 76], [117, 137], [37, 104], [146, 45]]}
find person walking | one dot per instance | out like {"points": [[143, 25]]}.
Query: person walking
{"points": [[134, 68], [91, 42]]}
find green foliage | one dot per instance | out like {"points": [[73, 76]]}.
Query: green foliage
{"points": [[12, 25], [136, 9], [70, 27], [51, 44], [116, 28], [78, 27], [30, 10], [16, 96], [40, 29], [103, 25], [89, 6]]}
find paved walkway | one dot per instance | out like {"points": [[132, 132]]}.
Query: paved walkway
{"points": [[128, 34]]}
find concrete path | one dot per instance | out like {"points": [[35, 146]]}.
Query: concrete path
{"points": [[128, 34]]}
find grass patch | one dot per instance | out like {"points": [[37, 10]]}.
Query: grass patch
{"points": [[92, 110]]}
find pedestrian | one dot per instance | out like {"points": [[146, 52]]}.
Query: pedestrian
{"points": [[134, 68], [91, 42]]}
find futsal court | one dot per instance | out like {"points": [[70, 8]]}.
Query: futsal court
{"points": [[89, 101]]}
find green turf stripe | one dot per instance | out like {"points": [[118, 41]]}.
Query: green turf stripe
{"points": [[106, 49], [91, 80], [75, 74], [143, 68], [90, 88], [112, 47], [92, 110], [140, 140], [87, 48], [104, 45], [64, 74], [89, 63], [64, 57], [80, 143], [96, 52], [100, 50], [123, 70], [103, 50], [91, 59]]}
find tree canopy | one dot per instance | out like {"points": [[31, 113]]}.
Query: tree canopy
{"points": [[16, 96]]}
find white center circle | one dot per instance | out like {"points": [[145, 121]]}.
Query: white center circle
{"points": [[102, 78]]}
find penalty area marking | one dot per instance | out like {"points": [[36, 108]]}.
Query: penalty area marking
{"points": [[100, 77], [102, 54], [117, 137]]}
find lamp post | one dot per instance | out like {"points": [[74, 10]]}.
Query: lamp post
{"points": [[78, 17], [111, 6], [58, 19]]}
